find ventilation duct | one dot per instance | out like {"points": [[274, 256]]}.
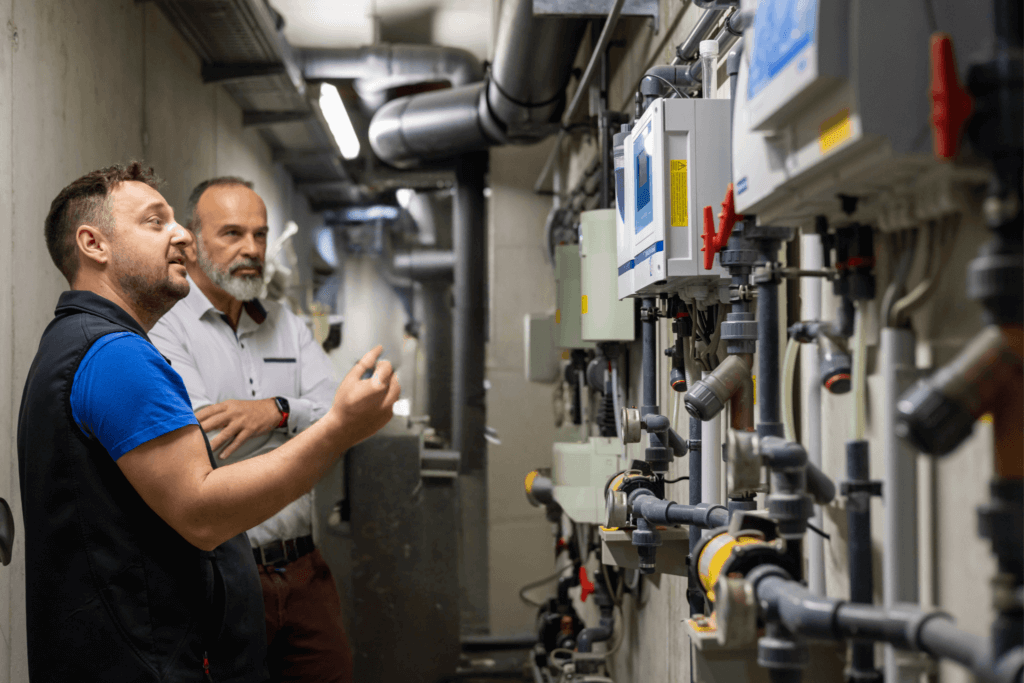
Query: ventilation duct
{"points": [[519, 101], [378, 67]]}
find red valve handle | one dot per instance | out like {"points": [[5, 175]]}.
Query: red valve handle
{"points": [[586, 586], [714, 242], [951, 103]]}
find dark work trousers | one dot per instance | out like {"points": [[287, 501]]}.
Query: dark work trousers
{"points": [[305, 638]]}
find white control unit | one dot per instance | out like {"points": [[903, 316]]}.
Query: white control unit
{"points": [[580, 471], [540, 353], [818, 116], [604, 316], [677, 162], [568, 314]]}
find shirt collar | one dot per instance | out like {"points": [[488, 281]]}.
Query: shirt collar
{"points": [[200, 305]]}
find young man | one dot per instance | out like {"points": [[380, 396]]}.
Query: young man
{"points": [[256, 379], [137, 565]]}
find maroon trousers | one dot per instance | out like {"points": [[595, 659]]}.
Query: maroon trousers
{"points": [[306, 641]]}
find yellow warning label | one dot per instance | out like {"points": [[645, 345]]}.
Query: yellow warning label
{"points": [[677, 182], [583, 304], [754, 379], [834, 131], [558, 316], [566, 355]]}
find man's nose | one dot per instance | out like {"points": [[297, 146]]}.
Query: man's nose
{"points": [[180, 236], [251, 247]]}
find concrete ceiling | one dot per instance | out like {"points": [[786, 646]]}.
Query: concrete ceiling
{"points": [[353, 23]]}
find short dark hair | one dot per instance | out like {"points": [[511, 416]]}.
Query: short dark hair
{"points": [[197, 193], [86, 200]]}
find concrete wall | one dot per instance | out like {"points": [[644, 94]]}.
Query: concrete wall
{"points": [[86, 84]]}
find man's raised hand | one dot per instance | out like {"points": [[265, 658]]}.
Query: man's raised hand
{"points": [[363, 406]]}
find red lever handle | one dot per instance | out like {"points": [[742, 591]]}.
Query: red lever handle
{"points": [[586, 586], [714, 242], [951, 103]]}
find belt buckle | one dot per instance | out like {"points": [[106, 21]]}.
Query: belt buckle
{"points": [[274, 545]]}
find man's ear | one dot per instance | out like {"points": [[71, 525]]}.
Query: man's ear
{"points": [[93, 244]]}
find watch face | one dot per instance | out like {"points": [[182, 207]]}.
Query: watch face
{"points": [[282, 405]]}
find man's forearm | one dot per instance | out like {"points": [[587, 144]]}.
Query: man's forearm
{"points": [[239, 496]]}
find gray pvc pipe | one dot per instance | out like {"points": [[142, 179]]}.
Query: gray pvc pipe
{"points": [[899, 559]]}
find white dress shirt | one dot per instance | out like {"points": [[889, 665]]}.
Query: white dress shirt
{"points": [[275, 357]]}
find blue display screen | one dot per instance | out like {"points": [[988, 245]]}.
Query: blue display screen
{"points": [[642, 186], [782, 29]]}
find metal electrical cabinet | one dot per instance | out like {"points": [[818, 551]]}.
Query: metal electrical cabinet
{"points": [[677, 162], [833, 99], [604, 316], [580, 472], [568, 332]]}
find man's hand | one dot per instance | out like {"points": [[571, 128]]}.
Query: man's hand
{"points": [[363, 406], [238, 421]]}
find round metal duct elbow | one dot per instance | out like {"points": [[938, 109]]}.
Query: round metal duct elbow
{"points": [[389, 65], [437, 124]]}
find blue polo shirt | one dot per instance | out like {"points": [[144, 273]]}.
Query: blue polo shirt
{"points": [[125, 394]]}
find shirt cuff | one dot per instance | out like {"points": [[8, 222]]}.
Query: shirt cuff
{"points": [[301, 414]]}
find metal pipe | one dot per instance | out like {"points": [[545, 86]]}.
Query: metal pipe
{"points": [[426, 264], [468, 399], [581, 89], [518, 102], [899, 559], [385, 65]]}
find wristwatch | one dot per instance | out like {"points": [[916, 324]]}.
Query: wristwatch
{"points": [[284, 408]]}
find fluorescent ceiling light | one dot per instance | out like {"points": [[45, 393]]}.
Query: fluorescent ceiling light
{"points": [[338, 121], [325, 247], [363, 214]]}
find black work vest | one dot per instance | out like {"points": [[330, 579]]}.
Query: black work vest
{"points": [[114, 593]]}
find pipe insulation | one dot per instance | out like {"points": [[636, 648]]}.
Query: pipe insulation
{"points": [[383, 66], [520, 100]]}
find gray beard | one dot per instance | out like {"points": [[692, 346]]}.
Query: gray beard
{"points": [[242, 288]]}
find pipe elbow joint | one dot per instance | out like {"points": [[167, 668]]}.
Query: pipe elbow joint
{"points": [[781, 454]]}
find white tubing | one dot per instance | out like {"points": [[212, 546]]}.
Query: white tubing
{"points": [[810, 309], [615, 399], [859, 374], [711, 459], [788, 377]]}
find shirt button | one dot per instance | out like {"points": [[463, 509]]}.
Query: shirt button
{"points": [[250, 380], [243, 346], [254, 393]]}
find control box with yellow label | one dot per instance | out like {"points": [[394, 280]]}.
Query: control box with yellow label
{"points": [[677, 162], [816, 119], [604, 316], [568, 313]]}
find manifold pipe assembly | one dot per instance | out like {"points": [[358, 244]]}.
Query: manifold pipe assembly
{"points": [[806, 615]]}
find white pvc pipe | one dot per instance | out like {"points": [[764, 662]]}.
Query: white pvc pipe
{"points": [[810, 309], [859, 374], [788, 378], [711, 459]]}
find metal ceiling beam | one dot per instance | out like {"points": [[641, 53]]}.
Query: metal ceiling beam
{"points": [[231, 73], [273, 118]]}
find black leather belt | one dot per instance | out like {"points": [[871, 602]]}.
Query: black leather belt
{"points": [[278, 553]]}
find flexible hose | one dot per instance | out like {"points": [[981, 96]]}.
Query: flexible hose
{"points": [[902, 309], [788, 377], [859, 374]]}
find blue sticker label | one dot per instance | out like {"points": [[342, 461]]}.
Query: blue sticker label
{"points": [[741, 186], [783, 29]]}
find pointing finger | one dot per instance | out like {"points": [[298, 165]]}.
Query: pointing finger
{"points": [[367, 362]]}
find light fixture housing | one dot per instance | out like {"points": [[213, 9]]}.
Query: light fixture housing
{"points": [[338, 121]]}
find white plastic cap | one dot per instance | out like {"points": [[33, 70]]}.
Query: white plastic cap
{"points": [[709, 47]]}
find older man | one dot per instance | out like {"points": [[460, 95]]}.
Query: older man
{"points": [[255, 374], [137, 565]]}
